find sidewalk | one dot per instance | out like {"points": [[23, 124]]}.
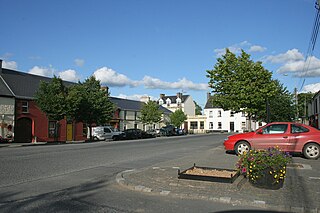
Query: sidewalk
{"points": [[13, 145], [300, 192]]}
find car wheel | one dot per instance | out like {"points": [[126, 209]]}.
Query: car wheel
{"points": [[241, 147], [311, 151]]}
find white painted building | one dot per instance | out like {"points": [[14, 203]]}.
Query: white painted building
{"points": [[179, 101], [219, 120]]}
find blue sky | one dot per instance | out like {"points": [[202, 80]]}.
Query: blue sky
{"points": [[148, 47]]}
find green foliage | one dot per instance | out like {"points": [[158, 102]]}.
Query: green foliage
{"points": [[178, 117], [51, 98], [303, 100], [89, 104], [198, 109], [253, 163], [238, 83], [150, 113], [281, 106]]}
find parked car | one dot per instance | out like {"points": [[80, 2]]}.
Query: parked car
{"points": [[288, 136], [168, 130], [136, 134], [152, 132], [106, 132]]}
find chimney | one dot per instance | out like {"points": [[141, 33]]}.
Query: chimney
{"points": [[208, 95], [106, 89], [179, 95], [162, 96], [0, 66]]}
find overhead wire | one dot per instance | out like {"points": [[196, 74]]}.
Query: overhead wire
{"points": [[312, 44]]}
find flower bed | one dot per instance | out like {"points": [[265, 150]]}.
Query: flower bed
{"points": [[264, 168]]}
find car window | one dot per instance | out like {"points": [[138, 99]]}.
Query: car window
{"points": [[107, 130], [298, 129], [275, 129]]}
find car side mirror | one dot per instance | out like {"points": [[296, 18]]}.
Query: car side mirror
{"points": [[260, 132]]}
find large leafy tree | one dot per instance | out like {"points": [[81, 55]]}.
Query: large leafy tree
{"points": [[88, 103], [240, 84], [279, 107], [51, 99], [150, 113], [178, 117]]}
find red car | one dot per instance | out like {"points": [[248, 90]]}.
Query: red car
{"points": [[288, 136]]}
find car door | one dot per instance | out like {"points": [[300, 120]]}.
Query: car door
{"points": [[271, 136], [107, 133], [298, 136]]}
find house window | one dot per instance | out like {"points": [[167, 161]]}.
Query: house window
{"points": [[168, 102], [178, 102], [243, 125], [201, 124], [25, 107], [232, 114], [219, 113], [84, 130], [219, 125], [52, 128], [210, 114], [211, 125], [194, 125]]}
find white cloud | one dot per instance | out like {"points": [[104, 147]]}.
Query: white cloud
{"points": [[112, 78], [79, 62], [10, 65], [155, 83], [311, 88], [308, 68], [236, 48], [289, 56], [257, 48], [136, 97], [69, 75], [42, 71]]}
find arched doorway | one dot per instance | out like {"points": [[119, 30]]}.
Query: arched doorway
{"points": [[23, 130]]}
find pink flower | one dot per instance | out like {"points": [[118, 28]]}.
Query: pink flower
{"points": [[244, 170]]}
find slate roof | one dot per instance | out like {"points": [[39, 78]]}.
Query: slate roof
{"points": [[21, 85], [173, 98], [209, 104], [126, 104]]}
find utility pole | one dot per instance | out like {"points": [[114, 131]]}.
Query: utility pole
{"points": [[296, 103]]}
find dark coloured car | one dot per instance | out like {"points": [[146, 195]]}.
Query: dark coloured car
{"points": [[288, 136], [130, 134], [169, 130]]}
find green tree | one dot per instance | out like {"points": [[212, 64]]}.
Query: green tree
{"points": [[198, 109], [150, 113], [178, 117], [280, 106], [303, 100], [240, 84], [88, 103], [51, 99]]}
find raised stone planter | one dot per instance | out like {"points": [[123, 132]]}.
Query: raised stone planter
{"points": [[209, 174]]}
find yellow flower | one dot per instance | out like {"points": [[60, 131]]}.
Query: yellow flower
{"points": [[275, 176], [270, 172]]}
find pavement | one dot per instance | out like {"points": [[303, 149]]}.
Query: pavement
{"points": [[300, 193]]}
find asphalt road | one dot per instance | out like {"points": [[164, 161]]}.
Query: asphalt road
{"points": [[81, 177]]}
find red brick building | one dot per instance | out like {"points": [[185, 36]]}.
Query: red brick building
{"points": [[19, 112]]}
